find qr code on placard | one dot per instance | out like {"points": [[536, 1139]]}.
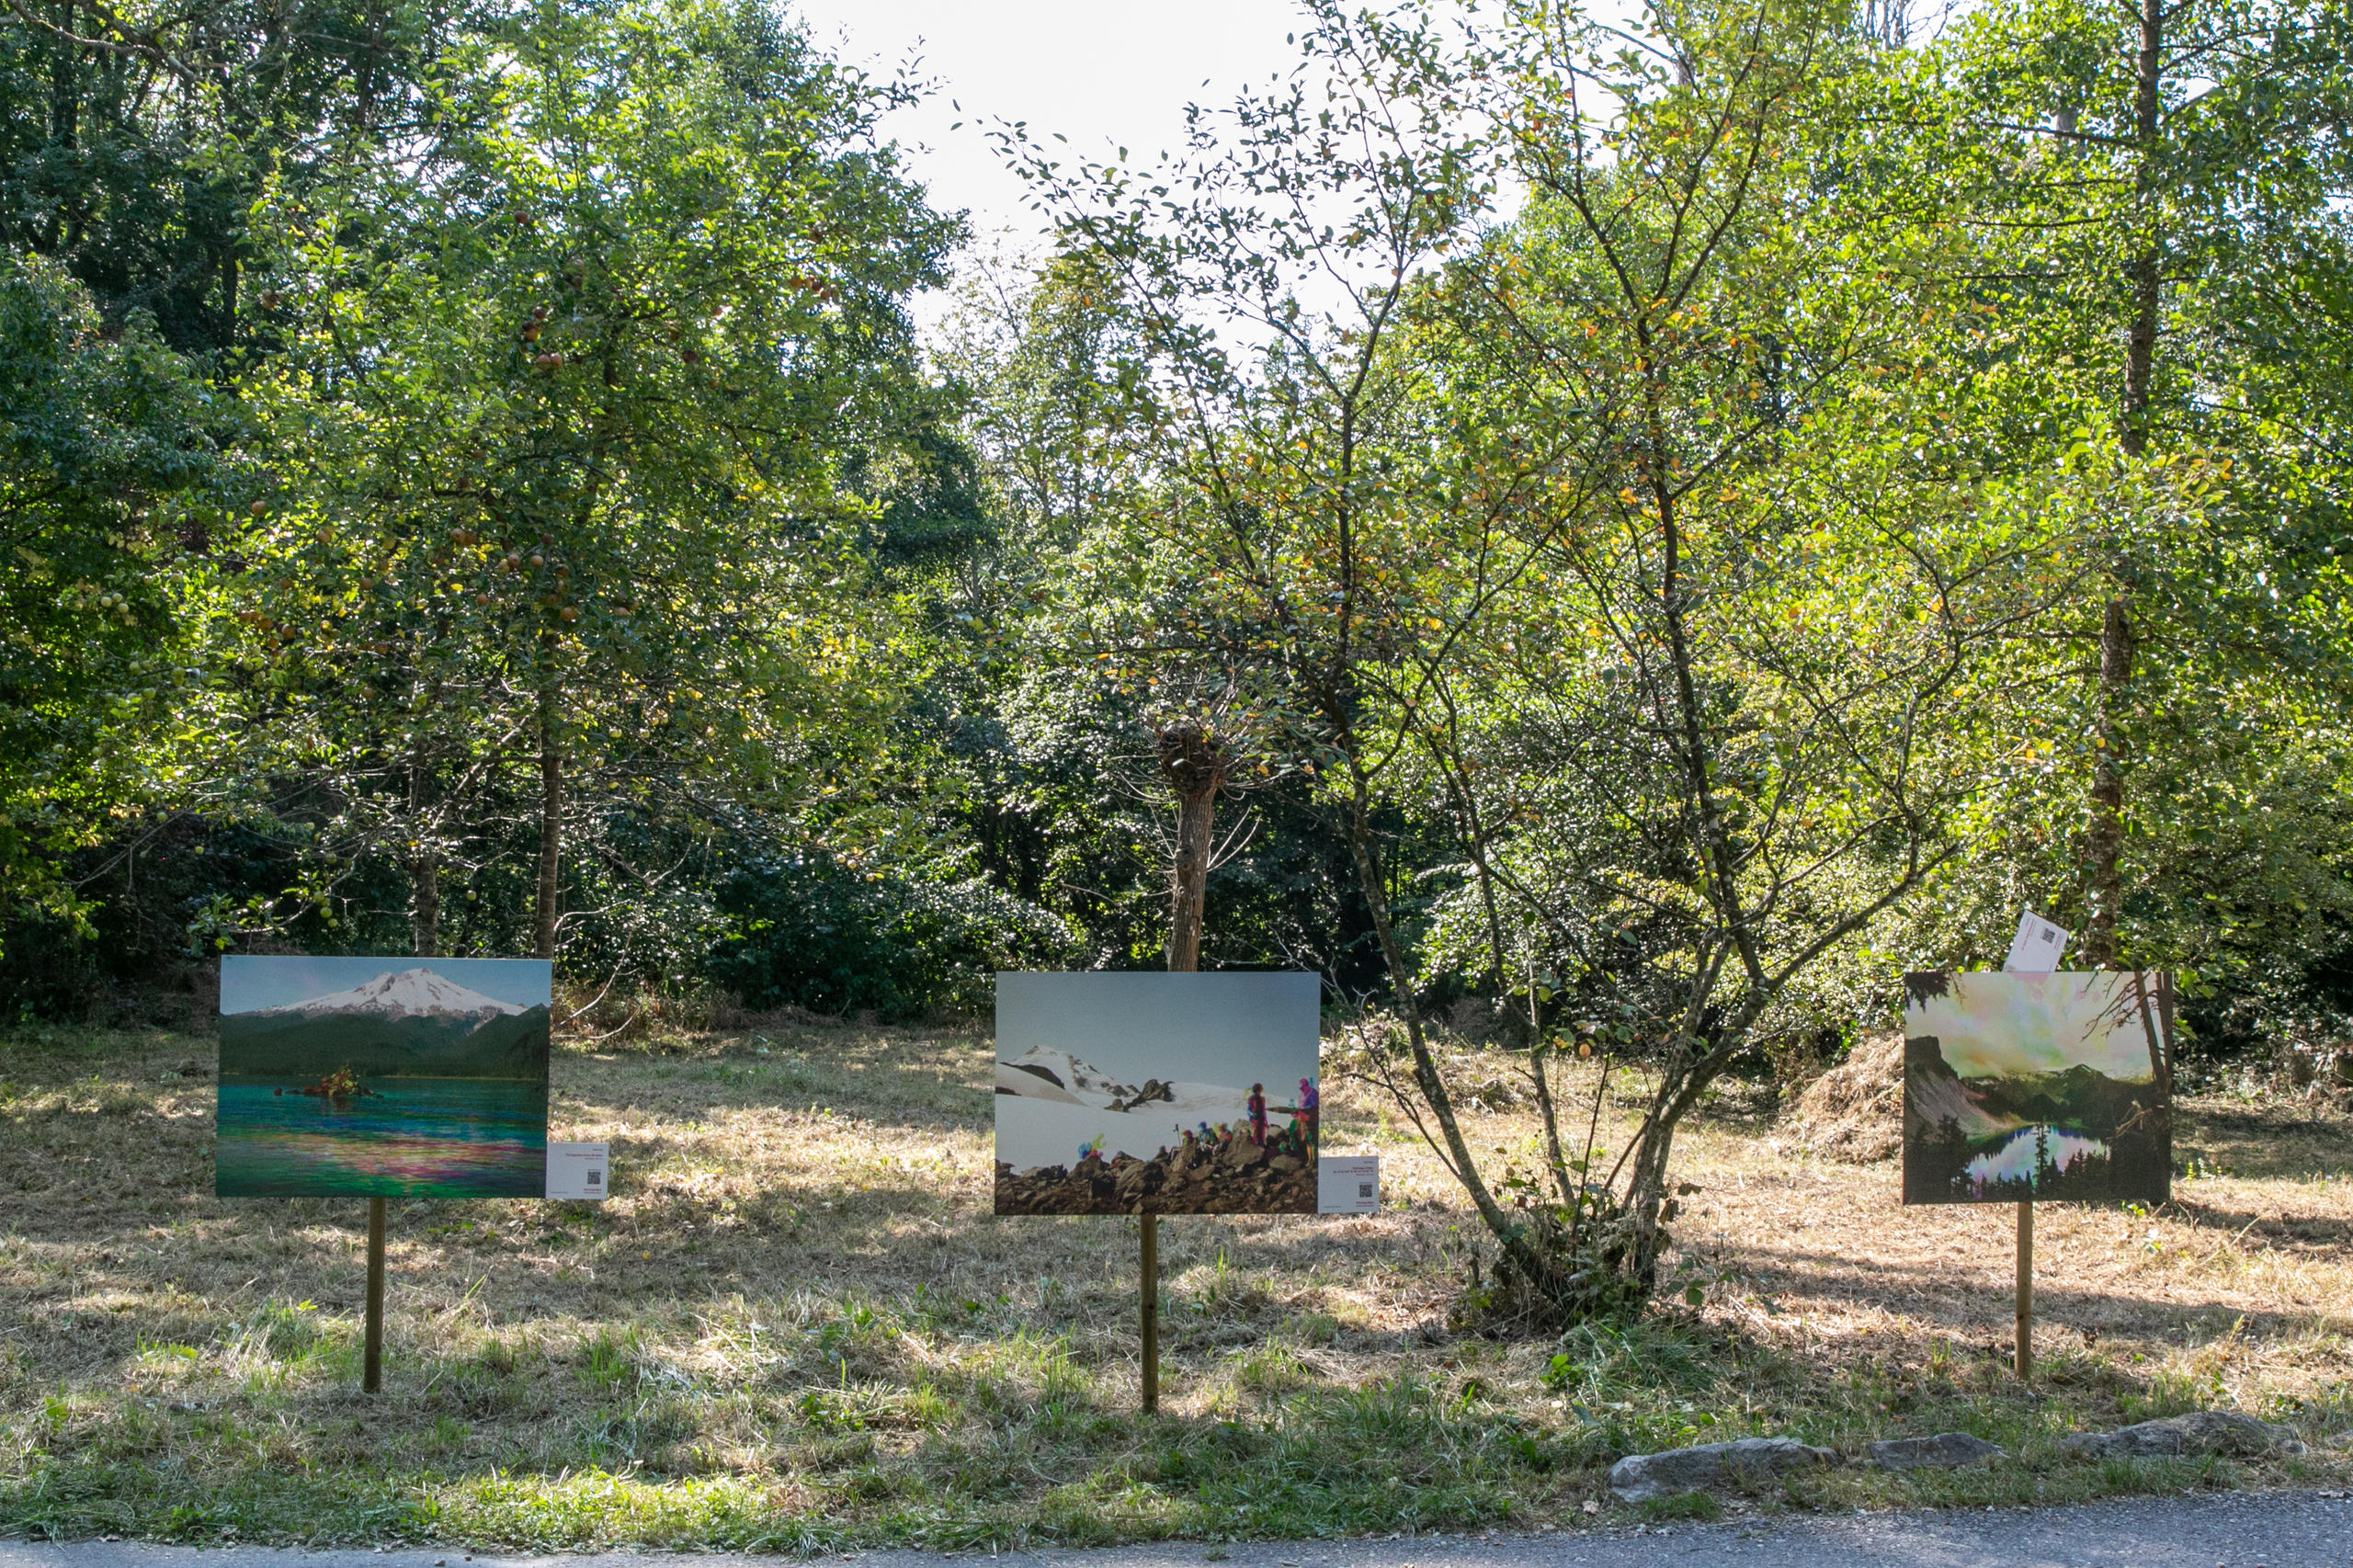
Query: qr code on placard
{"points": [[1364, 1189]]}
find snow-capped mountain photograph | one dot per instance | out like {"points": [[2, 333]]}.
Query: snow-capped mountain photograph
{"points": [[1156, 1093], [413, 1078], [401, 995]]}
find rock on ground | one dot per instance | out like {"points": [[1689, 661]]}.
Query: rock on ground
{"points": [[1638, 1477], [1946, 1451], [2200, 1432]]}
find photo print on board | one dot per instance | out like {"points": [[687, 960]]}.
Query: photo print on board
{"points": [[1157, 1093], [382, 1078], [2038, 1087]]}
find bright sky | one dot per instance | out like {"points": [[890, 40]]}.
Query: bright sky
{"points": [[1105, 74], [1998, 1024], [249, 985], [1231, 1029]]}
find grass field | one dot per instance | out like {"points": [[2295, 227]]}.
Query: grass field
{"points": [[796, 1325]]}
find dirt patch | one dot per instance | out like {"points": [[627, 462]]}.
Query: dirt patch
{"points": [[1854, 1113]]}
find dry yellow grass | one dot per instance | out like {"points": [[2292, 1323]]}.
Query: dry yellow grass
{"points": [[796, 1323]]}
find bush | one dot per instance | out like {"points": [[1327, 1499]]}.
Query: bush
{"points": [[809, 931]]}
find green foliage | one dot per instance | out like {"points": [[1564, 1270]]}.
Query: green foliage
{"points": [[561, 413], [103, 439], [1664, 605], [135, 139], [2206, 194], [818, 934]]}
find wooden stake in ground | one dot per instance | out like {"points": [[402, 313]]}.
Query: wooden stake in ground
{"points": [[371, 1367], [1150, 1234], [2025, 1361]]}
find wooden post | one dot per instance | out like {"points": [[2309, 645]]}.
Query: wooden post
{"points": [[1149, 1235], [371, 1373], [1193, 760], [2025, 1361]]}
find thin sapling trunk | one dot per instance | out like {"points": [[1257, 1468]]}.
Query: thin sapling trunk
{"points": [[550, 890], [1193, 759]]}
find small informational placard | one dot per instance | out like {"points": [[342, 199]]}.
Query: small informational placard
{"points": [[577, 1170], [1348, 1183], [2037, 947]]}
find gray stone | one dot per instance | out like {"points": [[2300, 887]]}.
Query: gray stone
{"points": [[1706, 1466], [2200, 1432], [1946, 1451]]}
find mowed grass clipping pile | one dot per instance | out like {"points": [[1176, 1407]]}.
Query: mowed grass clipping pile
{"points": [[797, 1327]]}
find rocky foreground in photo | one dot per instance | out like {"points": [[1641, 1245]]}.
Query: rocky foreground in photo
{"points": [[1241, 1177]]}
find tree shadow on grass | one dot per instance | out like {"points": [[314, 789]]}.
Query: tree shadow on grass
{"points": [[1965, 1309], [2270, 1143], [2308, 1235], [905, 1081]]}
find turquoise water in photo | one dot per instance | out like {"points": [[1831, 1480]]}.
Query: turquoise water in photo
{"points": [[409, 1138], [2040, 1157]]}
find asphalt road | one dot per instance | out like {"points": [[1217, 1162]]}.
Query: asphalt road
{"points": [[2232, 1530]]}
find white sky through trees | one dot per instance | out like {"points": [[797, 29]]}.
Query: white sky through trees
{"points": [[1105, 73]]}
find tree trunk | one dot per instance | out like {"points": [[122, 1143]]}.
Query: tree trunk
{"points": [[1556, 1158], [424, 866], [551, 826], [1456, 1150], [2103, 838], [2148, 105], [1193, 759], [1474, 844], [1646, 1182], [2104, 834]]}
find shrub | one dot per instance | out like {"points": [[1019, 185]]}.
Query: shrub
{"points": [[809, 931]]}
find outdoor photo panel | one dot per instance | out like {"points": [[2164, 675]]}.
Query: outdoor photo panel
{"points": [[386, 1077], [2037, 1087], [1154, 1093]]}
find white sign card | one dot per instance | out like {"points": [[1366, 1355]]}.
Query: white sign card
{"points": [[577, 1170], [2037, 946], [1348, 1183]]}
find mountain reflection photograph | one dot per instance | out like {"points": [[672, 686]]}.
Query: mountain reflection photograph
{"points": [[1156, 1093], [384, 1077], [2033, 1087]]}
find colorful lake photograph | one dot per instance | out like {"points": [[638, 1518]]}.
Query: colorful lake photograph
{"points": [[382, 1078], [2037, 1087], [1155, 1092]]}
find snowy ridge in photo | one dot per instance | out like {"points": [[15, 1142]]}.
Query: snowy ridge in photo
{"points": [[409, 994]]}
